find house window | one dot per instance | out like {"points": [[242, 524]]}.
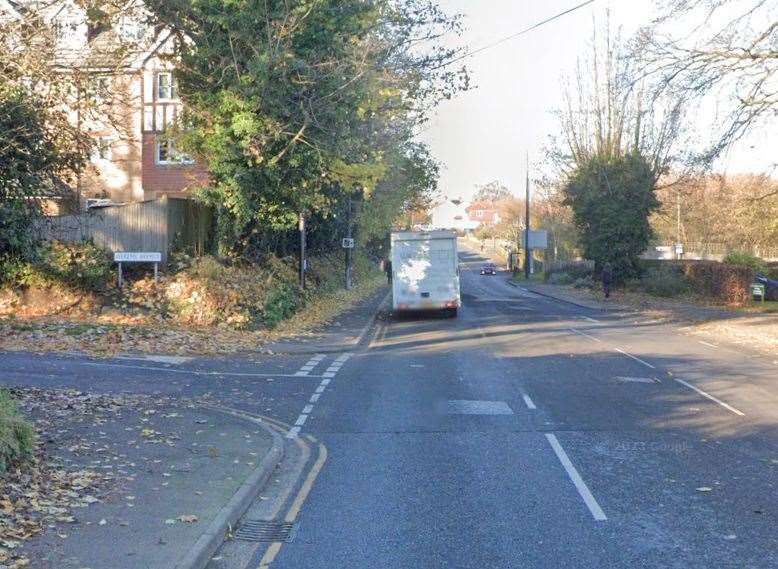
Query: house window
{"points": [[168, 153], [166, 86], [103, 148]]}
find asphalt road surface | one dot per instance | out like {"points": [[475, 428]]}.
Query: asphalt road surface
{"points": [[524, 433], [530, 433]]}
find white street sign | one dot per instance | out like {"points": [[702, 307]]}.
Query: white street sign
{"points": [[538, 239], [137, 257], [348, 243]]}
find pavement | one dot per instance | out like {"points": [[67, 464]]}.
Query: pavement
{"points": [[526, 432]]}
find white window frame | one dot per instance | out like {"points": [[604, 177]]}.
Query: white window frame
{"points": [[181, 159], [172, 88]]}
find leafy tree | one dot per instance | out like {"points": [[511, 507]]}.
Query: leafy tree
{"points": [[611, 199], [618, 143], [36, 160], [492, 192], [295, 106]]}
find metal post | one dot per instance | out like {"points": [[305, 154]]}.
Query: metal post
{"points": [[156, 273], [121, 277], [302, 250], [527, 254], [349, 250]]}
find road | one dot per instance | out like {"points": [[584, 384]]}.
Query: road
{"points": [[529, 433], [524, 433]]}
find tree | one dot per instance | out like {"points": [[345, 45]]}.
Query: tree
{"points": [[728, 58], [296, 106], [37, 159], [618, 143], [493, 192]]}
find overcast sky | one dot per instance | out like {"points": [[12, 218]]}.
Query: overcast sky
{"points": [[483, 134]]}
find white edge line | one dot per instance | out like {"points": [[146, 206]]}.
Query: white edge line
{"points": [[320, 389], [726, 406], [301, 420], [315, 397], [578, 482], [307, 409], [591, 319], [528, 401], [325, 381], [637, 359], [574, 331], [328, 374], [707, 344]]}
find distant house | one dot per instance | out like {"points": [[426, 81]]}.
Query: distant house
{"points": [[135, 102], [483, 213]]}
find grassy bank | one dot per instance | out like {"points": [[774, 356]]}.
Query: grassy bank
{"points": [[16, 434]]}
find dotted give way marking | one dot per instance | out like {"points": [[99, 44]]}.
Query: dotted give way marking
{"points": [[327, 377]]}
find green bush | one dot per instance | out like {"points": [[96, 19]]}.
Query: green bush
{"points": [[79, 265], [584, 282], [741, 259], [280, 304], [560, 278], [17, 437], [664, 281]]}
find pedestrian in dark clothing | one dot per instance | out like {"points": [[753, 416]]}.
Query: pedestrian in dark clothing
{"points": [[607, 279], [388, 270]]}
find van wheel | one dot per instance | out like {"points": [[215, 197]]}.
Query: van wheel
{"points": [[451, 312]]}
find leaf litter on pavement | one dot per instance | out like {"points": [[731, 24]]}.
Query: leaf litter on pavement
{"points": [[76, 463]]}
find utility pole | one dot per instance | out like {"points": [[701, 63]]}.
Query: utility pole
{"points": [[527, 254], [303, 260], [349, 250]]}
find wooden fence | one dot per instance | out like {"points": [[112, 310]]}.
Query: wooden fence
{"points": [[163, 225]]}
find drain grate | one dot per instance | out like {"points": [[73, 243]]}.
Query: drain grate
{"points": [[266, 531]]}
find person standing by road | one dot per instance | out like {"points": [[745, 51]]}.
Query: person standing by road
{"points": [[607, 278], [388, 270]]}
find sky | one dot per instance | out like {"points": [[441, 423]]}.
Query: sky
{"points": [[484, 134]]}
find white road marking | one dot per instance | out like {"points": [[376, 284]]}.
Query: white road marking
{"points": [[301, 374], [160, 359], [301, 420], [325, 381], [306, 368], [293, 432], [580, 485], [637, 359], [328, 374], [194, 372], [315, 397], [307, 409], [574, 331], [343, 357], [726, 406], [472, 407], [637, 379], [528, 401], [320, 389], [707, 344], [591, 319]]}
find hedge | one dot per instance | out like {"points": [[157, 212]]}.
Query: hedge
{"points": [[727, 283]]}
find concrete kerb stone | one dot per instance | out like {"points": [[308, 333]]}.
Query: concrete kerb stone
{"points": [[209, 542]]}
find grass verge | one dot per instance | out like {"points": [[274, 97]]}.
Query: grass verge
{"points": [[17, 437]]}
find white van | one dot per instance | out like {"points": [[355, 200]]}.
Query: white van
{"points": [[425, 271]]}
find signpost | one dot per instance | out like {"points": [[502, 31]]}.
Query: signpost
{"points": [[759, 290], [347, 243], [538, 239], [137, 257]]}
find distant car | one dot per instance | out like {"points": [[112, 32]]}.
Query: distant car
{"points": [[489, 269]]}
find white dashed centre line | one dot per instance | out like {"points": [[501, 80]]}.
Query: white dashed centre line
{"points": [[726, 406], [584, 334], [528, 401], [580, 485], [637, 359]]}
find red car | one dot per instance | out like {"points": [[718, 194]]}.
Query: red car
{"points": [[489, 269]]}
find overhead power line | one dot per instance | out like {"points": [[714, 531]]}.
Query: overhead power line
{"points": [[517, 34]]}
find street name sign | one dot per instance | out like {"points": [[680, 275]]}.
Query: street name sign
{"points": [[137, 257], [348, 243]]}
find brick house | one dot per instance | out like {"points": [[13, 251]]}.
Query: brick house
{"points": [[483, 213], [133, 101]]}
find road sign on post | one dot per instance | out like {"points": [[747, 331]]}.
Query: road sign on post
{"points": [[348, 243], [137, 257], [538, 239], [759, 290]]}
